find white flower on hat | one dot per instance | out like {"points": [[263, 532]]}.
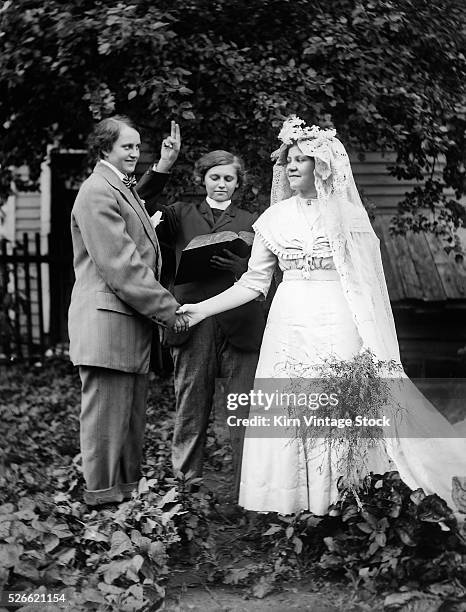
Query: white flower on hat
{"points": [[295, 129]]}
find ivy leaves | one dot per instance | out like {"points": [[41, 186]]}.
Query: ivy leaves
{"points": [[121, 557]]}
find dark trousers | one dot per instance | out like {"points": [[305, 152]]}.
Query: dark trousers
{"points": [[206, 356], [112, 423]]}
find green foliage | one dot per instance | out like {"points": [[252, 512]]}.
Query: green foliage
{"points": [[121, 557], [10, 300], [428, 208], [387, 533], [118, 556], [32, 426], [380, 537], [388, 75], [114, 557]]}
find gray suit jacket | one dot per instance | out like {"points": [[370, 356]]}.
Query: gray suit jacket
{"points": [[116, 298]]}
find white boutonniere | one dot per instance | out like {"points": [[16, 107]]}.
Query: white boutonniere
{"points": [[156, 218]]}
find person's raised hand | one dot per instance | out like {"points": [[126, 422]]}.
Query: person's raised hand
{"points": [[170, 149]]}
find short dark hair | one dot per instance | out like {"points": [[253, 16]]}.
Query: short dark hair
{"points": [[219, 158], [106, 133]]}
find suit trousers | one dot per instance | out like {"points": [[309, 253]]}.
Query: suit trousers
{"points": [[206, 356], [112, 423]]}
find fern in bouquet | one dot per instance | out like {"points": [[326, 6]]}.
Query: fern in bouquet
{"points": [[351, 414]]}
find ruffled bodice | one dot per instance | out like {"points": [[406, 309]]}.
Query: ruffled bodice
{"points": [[293, 229], [292, 233]]}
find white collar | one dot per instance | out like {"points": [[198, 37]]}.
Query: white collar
{"points": [[119, 174], [220, 205]]}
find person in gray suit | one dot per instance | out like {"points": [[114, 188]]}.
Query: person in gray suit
{"points": [[227, 346], [116, 302]]}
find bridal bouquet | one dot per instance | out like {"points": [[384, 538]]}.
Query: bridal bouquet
{"points": [[359, 417]]}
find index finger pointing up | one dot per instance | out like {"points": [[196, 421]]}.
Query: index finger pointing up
{"points": [[176, 132]]}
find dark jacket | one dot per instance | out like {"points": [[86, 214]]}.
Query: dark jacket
{"points": [[181, 222]]}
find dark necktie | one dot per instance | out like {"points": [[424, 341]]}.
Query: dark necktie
{"points": [[217, 213]]}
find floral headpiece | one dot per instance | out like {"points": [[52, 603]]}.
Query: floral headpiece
{"points": [[295, 129]]}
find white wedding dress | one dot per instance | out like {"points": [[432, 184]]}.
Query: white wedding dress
{"points": [[309, 321]]}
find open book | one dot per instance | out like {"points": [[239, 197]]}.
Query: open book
{"points": [[195, 258]]}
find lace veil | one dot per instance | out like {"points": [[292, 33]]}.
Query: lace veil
{"points": [[354, 244]]}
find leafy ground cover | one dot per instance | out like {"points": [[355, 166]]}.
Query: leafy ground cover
{"points": [[169, 548]]}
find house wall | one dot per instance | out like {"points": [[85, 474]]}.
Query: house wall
{"points": [[27, 213], [24, 214]]}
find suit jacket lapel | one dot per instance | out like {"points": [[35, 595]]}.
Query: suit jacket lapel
{"points": [[227, 216], [207, 213], [133, 200]]}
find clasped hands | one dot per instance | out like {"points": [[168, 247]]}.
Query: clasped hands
{"points": [[187, 316]]}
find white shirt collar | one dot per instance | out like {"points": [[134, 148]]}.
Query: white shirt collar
{"points": [[119, 174], [220, 205]]}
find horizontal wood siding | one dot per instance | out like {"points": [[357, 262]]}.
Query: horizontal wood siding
{"points": [[27, 221], [375, 182], [27, 214]]}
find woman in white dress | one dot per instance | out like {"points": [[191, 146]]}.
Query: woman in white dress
{"points": [[332, 303]]}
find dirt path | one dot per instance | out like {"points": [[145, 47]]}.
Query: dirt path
{"points": [[220, 599]]}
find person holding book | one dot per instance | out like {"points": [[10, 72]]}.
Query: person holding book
{"points": [[332, 309], [226, 346]]}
